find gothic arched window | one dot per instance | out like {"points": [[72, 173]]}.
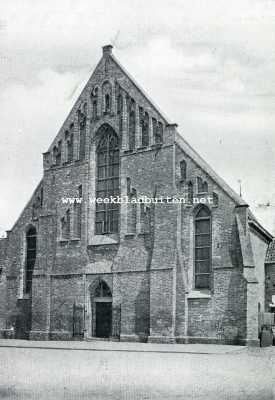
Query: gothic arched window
{"points": [[78, 213], [66, 225], [30, 258], [107, 103], [159, 134], [132, 211], [82, 132], [132, 124], [202, 185], [119, 104], [215, 199], [203, 244], [69, 137], [190, 193], [183, 170], [107, 185], [119, 111], [94, 100], [106, 96], [57, 153], [145, 130]]}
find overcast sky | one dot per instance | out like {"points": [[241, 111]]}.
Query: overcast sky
{"points": [[209, 65]]}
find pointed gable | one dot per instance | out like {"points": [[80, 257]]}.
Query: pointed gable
{"points": [[101, 93]]}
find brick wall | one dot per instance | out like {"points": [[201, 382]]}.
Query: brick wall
{"points": [[141, 267], [269, 284], [259, 248]]}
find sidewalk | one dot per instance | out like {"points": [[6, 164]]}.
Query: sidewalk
{"points": [[123, 346]]}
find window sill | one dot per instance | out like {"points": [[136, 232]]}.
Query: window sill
{"points": [[63, 241], [128, 151], [25, 296], [99, 240], [129, 235], [141, 148], [75, 240], [65, 163], [55, 166], [80, 161], [67, 242], [198, 294], [156, 145]]}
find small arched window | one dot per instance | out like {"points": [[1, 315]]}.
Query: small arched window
{"points": [[145, 218], [94, 100], [107, 103], [159, 133], [145, 129], [155, 129], [202, 185], [82, 132], [66, 226], [132, 125], [203, 245], [78, 213], [106, 96], [119, 104], [190, 193], [57, 153], [119, 111], [30, 258], [94, 109], [69, 137], [183, 170], [215, 199], [132, 212]]}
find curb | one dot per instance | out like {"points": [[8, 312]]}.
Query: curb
{"points": [[124, 350]]}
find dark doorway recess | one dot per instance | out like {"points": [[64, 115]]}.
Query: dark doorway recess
{"points": [[103, 319]]}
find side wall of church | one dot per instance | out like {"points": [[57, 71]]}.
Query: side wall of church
{"points": [[270, 284], [221, 312], [3, 283], [259, 248]]}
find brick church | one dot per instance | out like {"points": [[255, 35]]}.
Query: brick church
{"points": [[170, 270]]}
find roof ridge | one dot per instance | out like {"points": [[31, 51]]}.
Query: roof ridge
{"points": [[197, 158], [142, 91]]}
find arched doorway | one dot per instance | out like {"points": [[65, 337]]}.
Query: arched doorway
{"points": [[102, 307]]}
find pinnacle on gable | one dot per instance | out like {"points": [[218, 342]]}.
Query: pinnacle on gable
{"points": [[107, 50]]}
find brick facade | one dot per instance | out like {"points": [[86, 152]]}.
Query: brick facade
{"points": [[148, 264]]}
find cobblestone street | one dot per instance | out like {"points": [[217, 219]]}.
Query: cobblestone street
{"points": [[130, 372]]}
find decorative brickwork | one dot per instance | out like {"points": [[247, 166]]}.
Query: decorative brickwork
{"points": [[146, 254]]}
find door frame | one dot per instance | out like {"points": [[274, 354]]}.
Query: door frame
{"points": [[93, 319]]}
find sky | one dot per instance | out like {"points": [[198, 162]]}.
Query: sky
{"points": [[209, 65]]}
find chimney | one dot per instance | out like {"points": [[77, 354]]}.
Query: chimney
{"points": [[107, 50]]}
